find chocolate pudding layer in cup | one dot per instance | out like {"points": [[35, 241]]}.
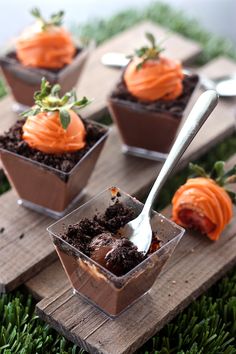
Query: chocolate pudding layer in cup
{"points": [[104, 267]]}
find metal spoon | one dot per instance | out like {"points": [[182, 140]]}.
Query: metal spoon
{"points": [[139, 230], [114, 59], [225, 86]]}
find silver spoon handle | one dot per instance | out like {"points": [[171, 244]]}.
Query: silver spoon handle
{"points": [[198, 115]]}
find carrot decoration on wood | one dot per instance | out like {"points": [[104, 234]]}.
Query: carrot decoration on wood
{"points": [[203, 203]]}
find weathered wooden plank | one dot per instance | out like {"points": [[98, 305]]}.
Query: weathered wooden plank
{"points": [[122, 170], [51, 280], [24, 245], [195, 265]]}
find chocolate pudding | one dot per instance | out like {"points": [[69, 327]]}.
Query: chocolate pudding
{"points": [[24, 81], [45, 180], [102, 265], [150, 126], [99, 239]]}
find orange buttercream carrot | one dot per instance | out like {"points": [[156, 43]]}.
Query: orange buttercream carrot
{"points": [[52, 126], [51, 49], [44, 132], [45, 44], [150, 76], [204, 205], [156, 79], [207, 201]]}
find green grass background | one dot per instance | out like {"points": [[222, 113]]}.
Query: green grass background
{"points": [[207, 326]]}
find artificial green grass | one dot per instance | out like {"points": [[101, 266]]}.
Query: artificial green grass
{"points": [[208, 326], [21, 331], [161, 13]]}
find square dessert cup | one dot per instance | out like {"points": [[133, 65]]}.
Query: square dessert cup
{"points": [[145, 132], [110, 293], [25, 81], [46, 189]]}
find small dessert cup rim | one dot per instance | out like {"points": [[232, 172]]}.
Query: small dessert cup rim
{"points": [[111, 275], [66, 174]]}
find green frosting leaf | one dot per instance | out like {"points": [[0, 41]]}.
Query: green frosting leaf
{"points": [[55, 19], [147, 52], [49, 100], [64, 118]]}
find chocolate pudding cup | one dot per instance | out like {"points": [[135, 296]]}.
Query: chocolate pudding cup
{"points": [[148, 129], [110, 293], [46, 189], [25, 81]]}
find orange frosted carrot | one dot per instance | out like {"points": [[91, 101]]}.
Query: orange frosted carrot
{"points": [[52, 126], [45, 44], [150, 76], [157, 79], [44, 132], [203, 203]]}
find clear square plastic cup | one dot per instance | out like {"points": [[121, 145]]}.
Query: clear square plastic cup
{"points": [[110, 293], [24, 81], [147, 131], [48, 190]]}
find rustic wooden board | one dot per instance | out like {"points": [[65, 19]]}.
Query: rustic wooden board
{"points": [[195, 265], [24, 245], [51, 280], [122, 170]]}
